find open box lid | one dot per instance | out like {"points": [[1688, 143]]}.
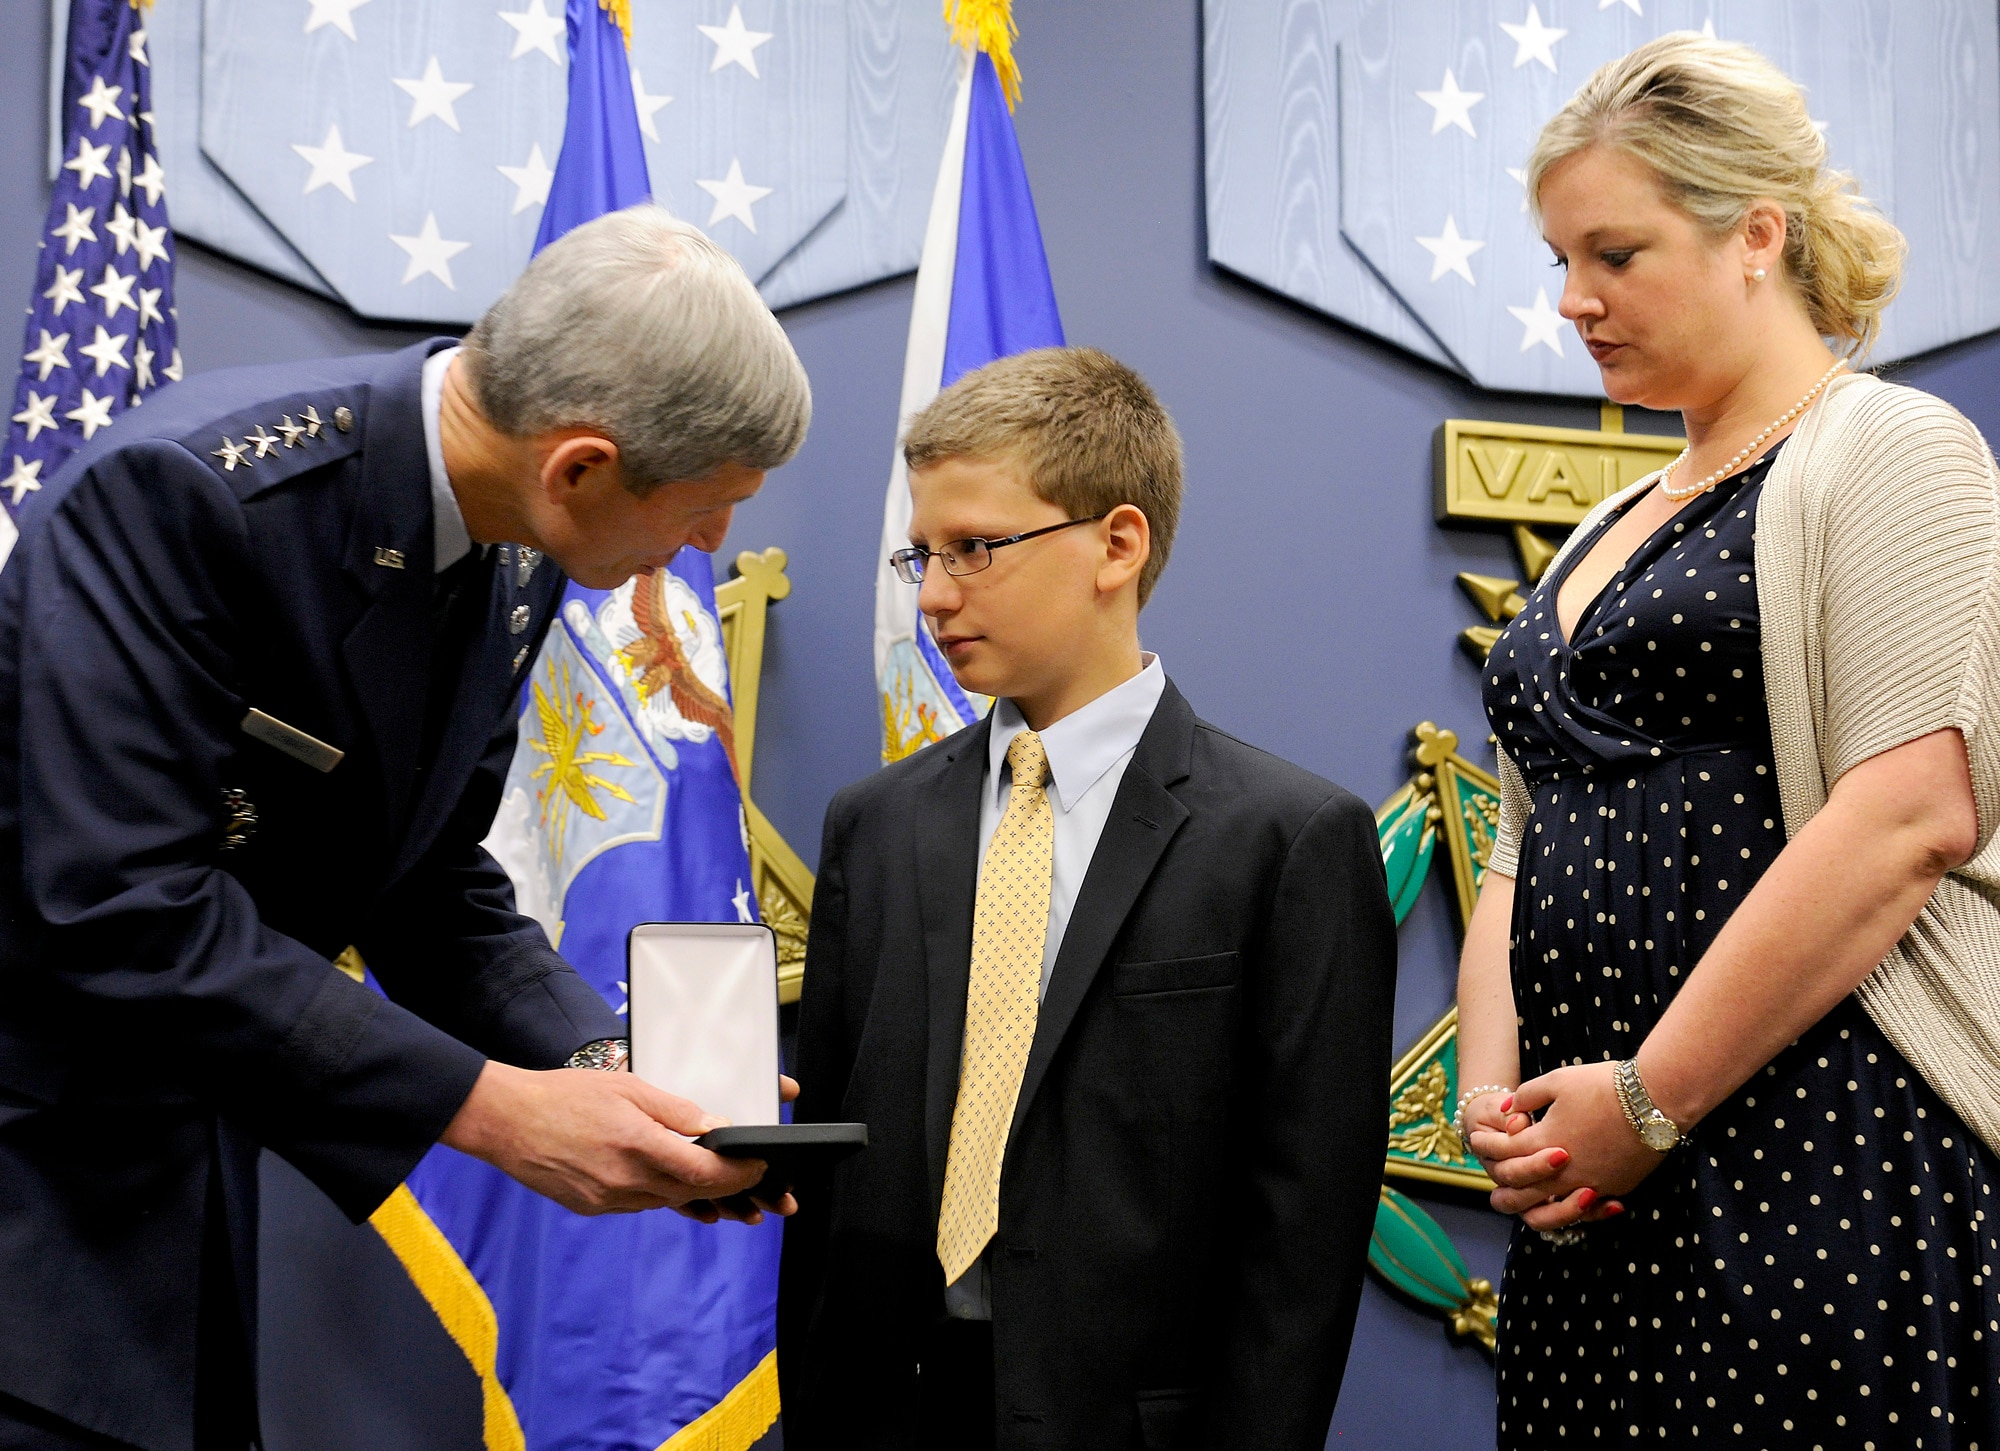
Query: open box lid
{"points": [[704, 1014]]}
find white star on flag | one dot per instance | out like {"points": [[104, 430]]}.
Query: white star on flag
{"points": [[38, 415], [150, 243], [535, 29], [734, 44], [1708, 27], [332, 164], [149, 307], [337, 13], [108, 352], [733, 196], [101, 102], [1632, 5], [647, 105], [142, 366], [24, 478], [1533, 40], [1520, 176], [124, 171], [50, 355], [119, 228], [172, 372], [742, 902], [116, 290], [88, 163], [1540, 323], [151, 180], [1451, 106], [531, 179], [1450, 252], [136, 45], [92, 413], [432, 95], [429, 253], [64, 290], [76, 228]]}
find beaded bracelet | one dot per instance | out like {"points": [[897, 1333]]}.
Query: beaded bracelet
{"points": [[1458, 1118]]}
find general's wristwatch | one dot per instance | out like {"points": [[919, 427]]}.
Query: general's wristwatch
{"points": [[1656, 1131], [611, 1055]]}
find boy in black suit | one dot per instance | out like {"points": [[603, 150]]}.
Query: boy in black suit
{"points": [[1110, 988]]}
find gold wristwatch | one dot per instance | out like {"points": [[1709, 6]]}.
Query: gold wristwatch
{"points": [[1655, 1130]]}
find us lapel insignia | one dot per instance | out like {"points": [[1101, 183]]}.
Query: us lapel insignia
{"points": [[389, 558]]}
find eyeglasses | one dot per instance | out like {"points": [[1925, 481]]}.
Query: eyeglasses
{"points": [[969, 556]]}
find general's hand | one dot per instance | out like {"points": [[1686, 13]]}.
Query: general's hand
{"points": [[599, 1143], [1601, 1155], [745, 1208]]}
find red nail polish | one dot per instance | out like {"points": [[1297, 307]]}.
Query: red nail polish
{"points": [[1507, 1104], [1559, 1157], [1585, 1198], [1614, 1207]]}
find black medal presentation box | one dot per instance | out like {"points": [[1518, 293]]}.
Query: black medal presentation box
{"points": [[704, 1022]]}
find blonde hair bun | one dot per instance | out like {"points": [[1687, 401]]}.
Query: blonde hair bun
{"points": [[1723, 128]]}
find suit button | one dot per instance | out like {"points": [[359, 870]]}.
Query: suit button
{"points": [[518, 620]]}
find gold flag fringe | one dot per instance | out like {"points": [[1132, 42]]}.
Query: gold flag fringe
{"points": [[621, 11], [988, 25]]}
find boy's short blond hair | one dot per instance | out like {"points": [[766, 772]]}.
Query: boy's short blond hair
{"points": [[1084, 428]]}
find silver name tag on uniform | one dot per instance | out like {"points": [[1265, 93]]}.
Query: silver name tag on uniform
{"points": [[292, 741]]}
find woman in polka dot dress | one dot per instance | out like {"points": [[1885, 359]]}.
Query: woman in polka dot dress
{"points": [[1812, 1263]]}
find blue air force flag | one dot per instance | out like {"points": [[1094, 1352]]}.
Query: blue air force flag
{"points": [[100, 330], [983, 292], [622, 806]]}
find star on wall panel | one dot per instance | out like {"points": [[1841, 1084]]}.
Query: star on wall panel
{"points": [[1329, 181]]}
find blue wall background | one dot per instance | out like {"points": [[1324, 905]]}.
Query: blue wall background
{"points": [[1310, 608]]}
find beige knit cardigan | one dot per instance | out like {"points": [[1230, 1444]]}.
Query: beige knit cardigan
{"points": [[1878, 580]]}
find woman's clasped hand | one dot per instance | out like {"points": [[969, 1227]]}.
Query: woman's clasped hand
{"points": [[1569, 1165]]}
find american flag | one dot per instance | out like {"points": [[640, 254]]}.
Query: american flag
{"points": [[100, 332]]}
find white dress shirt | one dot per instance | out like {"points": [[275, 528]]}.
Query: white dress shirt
{"points": [[450, 540], [1088, 751]]}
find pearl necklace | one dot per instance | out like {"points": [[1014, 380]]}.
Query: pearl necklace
{"points": [[1750, 451]]}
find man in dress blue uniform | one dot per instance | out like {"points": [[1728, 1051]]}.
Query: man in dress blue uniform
{"points": [[260, 652]]}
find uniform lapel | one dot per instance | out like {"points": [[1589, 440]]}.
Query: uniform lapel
{"points": [[388, 554], [946, 814], [1145, 816]]}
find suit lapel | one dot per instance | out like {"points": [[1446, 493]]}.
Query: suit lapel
{"points": [[387, 653], [1145, 816], [947, 872]]}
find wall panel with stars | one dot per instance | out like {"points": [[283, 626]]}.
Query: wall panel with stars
{"points": [[397, 153], [1365, 156]]}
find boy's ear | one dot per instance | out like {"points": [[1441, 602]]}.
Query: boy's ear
{"points": [[1128, 544]]}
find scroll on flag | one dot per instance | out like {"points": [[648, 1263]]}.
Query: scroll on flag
{"points": [[100, 331], [627, 1332], [983, 292]]}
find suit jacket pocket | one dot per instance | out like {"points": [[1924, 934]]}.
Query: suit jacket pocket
{"points": [[1173, 975], [1170, 1420]]}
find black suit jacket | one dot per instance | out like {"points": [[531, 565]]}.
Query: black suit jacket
{"points": [[167, 1000], [1192, 1175]]}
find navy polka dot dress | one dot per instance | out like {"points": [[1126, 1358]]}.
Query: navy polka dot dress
{"points": [[1814, 1268]]}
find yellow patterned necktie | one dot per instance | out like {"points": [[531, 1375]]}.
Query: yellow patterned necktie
{"points": [[1010, 924]]}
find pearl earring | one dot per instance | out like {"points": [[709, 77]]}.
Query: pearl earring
{"points": [[1759, 274]]}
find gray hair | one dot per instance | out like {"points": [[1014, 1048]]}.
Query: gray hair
{"points": [[638, 326]]}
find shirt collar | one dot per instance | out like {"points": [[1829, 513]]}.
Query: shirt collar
{"points": [[450, 540], [1087, 742]]}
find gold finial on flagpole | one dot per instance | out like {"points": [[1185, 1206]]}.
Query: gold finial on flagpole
{"points": [[988, 25], [620, 11]]}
